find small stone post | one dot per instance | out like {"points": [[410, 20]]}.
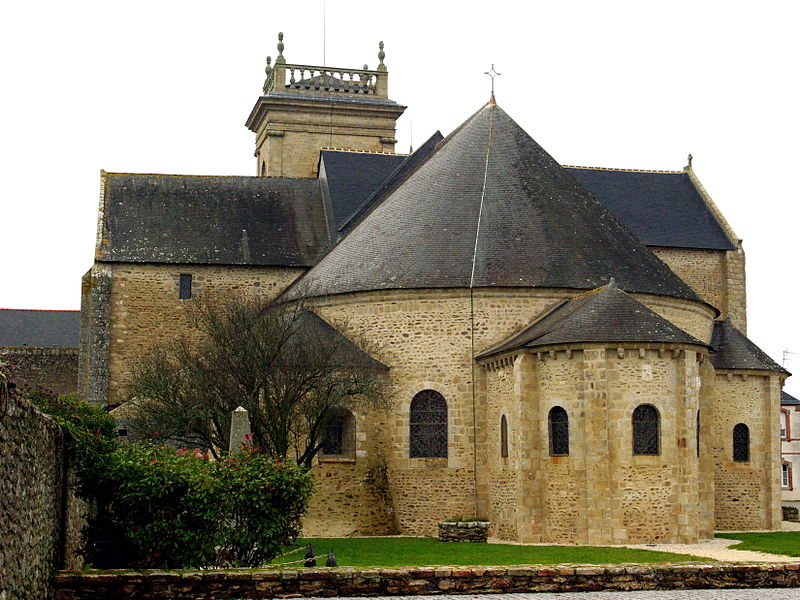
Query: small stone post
{"points": [[240, 429]]}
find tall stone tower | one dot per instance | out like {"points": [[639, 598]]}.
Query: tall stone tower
{"points": [[305, 108]]}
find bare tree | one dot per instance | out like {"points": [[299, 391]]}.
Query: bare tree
{"points": [[289, 368]]}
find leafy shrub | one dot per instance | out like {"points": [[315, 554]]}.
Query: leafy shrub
{"points": [[167, 503], [182, 510], [264, 502], [90, 436]]}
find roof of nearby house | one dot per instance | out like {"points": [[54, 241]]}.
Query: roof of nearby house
{"points": [[788, 399], [214, 220], [40, 328], [734, 350], [605, 314], [662, 209], [489, 207]]}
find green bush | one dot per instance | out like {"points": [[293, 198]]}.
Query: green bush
{"points": [[167, 503], [181, 510], [264, 502], [90, 436]]}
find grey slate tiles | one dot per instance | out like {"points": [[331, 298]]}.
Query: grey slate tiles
{"points": [[488, 208], [662, 209], [214, 220], [734, 350], [39, 328], [606, 314]]}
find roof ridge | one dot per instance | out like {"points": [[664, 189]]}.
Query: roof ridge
{"points": [[623, 169], [334, 149], [129, 173], [45, 309]]}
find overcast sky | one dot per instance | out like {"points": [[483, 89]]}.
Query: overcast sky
{"points": [[165, 87]]}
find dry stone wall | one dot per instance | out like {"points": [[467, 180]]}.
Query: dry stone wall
{"points": [[54, 370], [38, 512], [348, 582]]}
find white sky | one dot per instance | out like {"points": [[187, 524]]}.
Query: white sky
{"points": [[166, 87]]}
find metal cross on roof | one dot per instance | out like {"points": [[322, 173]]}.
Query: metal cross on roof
{"points": [[492, 73]]}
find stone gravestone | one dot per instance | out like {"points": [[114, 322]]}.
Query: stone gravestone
{"points": [[240, 430]]}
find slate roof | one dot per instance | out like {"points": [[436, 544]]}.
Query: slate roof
{"points": [[662, 209], [330, 337], [788, 399], [605, 314], [733, 350], [403, 170], [40, 328], [214, 220], [352, 177], [489, 207]]}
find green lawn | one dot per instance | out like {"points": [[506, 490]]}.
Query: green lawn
{"points": [[774, 542], [396, 552]]}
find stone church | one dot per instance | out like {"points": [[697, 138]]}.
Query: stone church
{"points": [[566, 346]]}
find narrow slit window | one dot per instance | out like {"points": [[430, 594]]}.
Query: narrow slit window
{"points": [[185, 289], [503, 437], [558, 422]]}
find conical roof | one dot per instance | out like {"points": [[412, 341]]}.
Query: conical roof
{"points": [[734, 350], [606, 314], [489, 207]]}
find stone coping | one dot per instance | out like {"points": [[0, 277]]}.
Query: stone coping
{"points": [[407, 581]]}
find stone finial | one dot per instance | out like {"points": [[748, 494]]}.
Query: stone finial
{"points": [[612, 283], [689, 160], [381, 56], [280, 58], [366, 68], [269, 72]]}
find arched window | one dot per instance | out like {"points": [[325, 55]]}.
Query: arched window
{"points": [[645, 423], [340, 435], [428, 425], [558, 424], [741, 443], [503, 437]]}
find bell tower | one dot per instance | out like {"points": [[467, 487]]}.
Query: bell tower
{"points": [[306, 108]]}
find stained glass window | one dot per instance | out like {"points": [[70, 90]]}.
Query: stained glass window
{"points": [[645, 429], [503, 437], [741, 443], [558, 424], [428, 425]]}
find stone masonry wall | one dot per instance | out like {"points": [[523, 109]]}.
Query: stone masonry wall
{"points": [[37, 512], [747, 494], [427, 339], [718, 276], [600, 492], [351, 495], [349, 582], [51, 369], [145, 308]]}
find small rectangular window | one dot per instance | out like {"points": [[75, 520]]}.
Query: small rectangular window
{"points": [[185, 291], [785, 475]]}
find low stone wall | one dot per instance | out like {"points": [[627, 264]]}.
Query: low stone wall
{"points": [[217, 585], [53, 370], [36, 509], [790, 513], [463, 531]]}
